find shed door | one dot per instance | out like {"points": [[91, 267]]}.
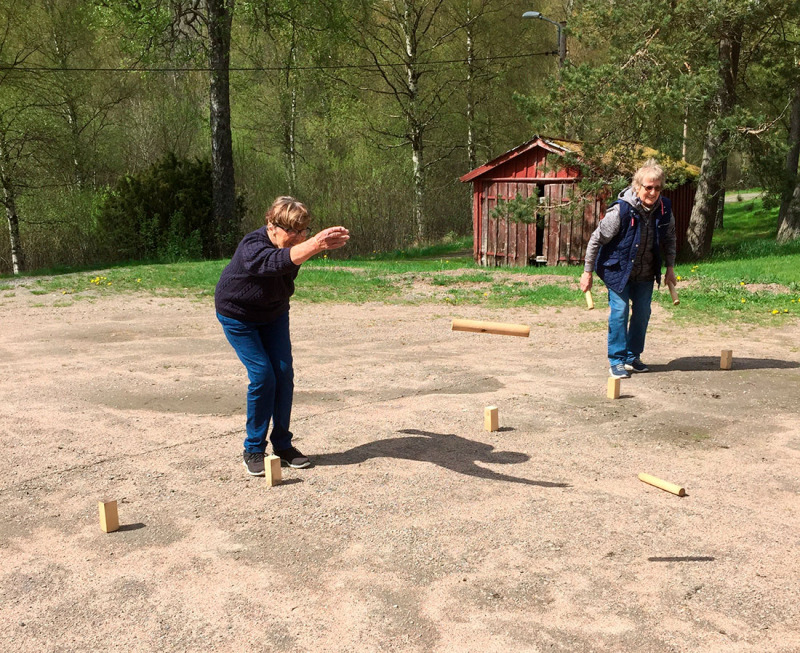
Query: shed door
{"points": [[564, 236]]}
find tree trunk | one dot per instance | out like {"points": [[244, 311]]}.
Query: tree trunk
{"points": [[290, 116], [788, 220], [10, 203], [472, 156], [419, 182], [719, 220], [415, 130], [790, 227], [710, 184], [685, 133], [704, 211], [220, 17]]}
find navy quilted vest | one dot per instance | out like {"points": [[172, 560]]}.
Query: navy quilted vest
{"points": [[615, 260]]}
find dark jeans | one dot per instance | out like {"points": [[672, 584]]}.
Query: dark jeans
{"points": [[626, 339], [265, 350]]}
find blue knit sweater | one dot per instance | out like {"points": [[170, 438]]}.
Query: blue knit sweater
{"points": [[258, 282]]}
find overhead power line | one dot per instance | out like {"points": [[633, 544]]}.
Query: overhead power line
{"points": [[246, 69]]}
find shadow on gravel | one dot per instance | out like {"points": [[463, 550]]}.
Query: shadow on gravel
{"points": [[682, 559], [707, 363], [130, 527], [443, 449]]}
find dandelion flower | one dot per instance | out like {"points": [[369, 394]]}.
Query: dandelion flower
{"points": [[741, 283], [785, 310], [775, 311], [743, 300], [678, 277]]}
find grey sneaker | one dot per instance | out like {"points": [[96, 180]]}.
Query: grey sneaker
{"points": [[636, 365], [618, 371], [254, 462], [293, 458]]}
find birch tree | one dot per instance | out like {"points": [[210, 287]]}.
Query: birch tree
{"points": [[18, 120], [400, 39]]}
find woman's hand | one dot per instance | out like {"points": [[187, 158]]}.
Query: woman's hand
{"points": [[586, 281], [670, 277], [331, 238]]}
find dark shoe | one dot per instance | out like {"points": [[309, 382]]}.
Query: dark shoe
{"points": [[293, 458], [254, 461], [618, 371], [636, 365]]}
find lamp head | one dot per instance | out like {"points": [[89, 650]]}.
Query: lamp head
{"points": [[532, 14]]}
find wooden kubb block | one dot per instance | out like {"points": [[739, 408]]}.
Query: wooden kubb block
{"points": [[272, 470], [109, 517], [491, 420], [614, 385], [726, 359]]}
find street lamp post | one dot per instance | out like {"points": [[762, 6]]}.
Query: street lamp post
{"points": [[562, 37]]}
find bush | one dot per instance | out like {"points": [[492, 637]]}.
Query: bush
{"points": [[164, 213]]}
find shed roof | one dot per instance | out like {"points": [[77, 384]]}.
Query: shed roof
{"points": [[560, 146]]}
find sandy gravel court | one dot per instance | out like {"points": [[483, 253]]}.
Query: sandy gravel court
{"points": [[416, 530]]}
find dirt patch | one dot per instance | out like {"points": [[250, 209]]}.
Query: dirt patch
{"points": [[416, 530]]}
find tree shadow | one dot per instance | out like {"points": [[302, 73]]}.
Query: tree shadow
{"points": [[443, 449], [711, 363]]}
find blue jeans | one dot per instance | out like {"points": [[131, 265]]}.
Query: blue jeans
{"points": [[266, 352], [626, 339]]}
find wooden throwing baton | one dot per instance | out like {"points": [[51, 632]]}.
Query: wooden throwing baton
{"points": [[498, 328], [663, 485], [673, 293]]}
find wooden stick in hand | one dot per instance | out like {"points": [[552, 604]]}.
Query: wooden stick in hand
{"points": [[673, 293]]}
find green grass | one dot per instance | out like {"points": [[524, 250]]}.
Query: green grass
{"points": [[746, 265]]}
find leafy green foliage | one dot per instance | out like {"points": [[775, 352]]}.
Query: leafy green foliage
{"points": [[163, 213], [519, 209]]}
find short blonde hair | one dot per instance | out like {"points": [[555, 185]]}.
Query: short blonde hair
{"points": [[289, 213], [649, 170]]}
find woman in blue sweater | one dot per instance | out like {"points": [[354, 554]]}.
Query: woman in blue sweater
{"points": [[252, 303]]}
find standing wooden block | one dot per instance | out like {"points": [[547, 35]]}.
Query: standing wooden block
{"points": [[664, 485], [109, 518], [490, 418], [614, 385], [589, 300], [272, 470], [726, 359]]}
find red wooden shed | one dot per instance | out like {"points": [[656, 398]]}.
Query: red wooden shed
{"points": [[539, 168]]}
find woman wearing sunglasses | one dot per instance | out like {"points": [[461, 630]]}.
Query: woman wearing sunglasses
{"points": [[252, 304], [634, 238]]}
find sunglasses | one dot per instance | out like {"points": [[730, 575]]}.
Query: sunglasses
{"points": [[292, 232]]}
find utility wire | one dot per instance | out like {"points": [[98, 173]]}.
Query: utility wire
{"points": [[441, 62]]}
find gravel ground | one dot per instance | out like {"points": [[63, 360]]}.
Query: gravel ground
{"points": [[416, 530]]}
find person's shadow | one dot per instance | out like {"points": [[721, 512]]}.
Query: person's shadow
{"points": [[709, 363], [445, 450]]}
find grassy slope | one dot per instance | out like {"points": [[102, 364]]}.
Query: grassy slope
{"points": [[732, 285]]}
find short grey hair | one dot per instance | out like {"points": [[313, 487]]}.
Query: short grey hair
{"points": [[289, 213], [649, 170]]}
